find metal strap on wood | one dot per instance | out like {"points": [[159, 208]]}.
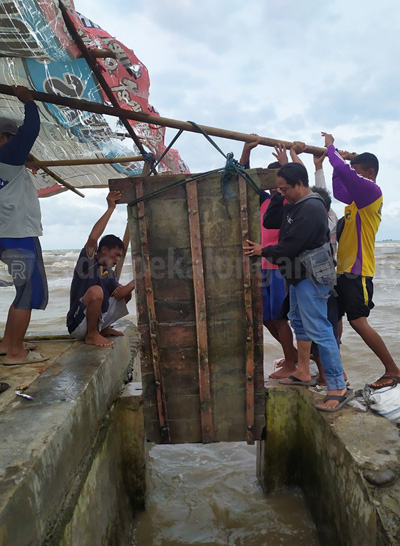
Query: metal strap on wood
{"points": [[148, 287], [250, 383], [200, 313]]}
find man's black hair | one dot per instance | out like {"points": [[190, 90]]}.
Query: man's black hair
{"points": [[367, 161], [324, 193], [274, 165], [294, 173], [110, 242]]}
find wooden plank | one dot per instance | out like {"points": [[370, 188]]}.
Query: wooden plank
{"points": [[264, 178], [201, 313], [181, 305], [176, 335], [152, 321]]}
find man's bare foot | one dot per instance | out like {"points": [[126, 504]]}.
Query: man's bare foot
{"points": [[283, 372], [98, 340], [111, 332]]}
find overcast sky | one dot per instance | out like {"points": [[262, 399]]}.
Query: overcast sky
{"points": [[286, 70]]}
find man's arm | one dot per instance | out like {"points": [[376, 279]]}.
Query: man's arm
{"points": [[100, 225], [297, 148], [247, 147], [275, 212], [319, 172], [124, 291], [347, 185], [16, 150], [292, 243]]}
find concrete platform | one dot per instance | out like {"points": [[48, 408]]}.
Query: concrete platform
{"points": [[347, 464], [47, 442]]}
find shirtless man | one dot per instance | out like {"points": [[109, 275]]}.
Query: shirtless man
{"points": [[97, 298]]}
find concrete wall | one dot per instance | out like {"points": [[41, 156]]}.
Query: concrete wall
{"points": [[72, 461], [114, 488], [347, 464]]}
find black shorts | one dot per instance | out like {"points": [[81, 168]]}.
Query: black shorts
{"points": [[354, 295]]}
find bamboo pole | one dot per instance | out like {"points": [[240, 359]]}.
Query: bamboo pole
{"points": [[120, 263], [58, 178], [86, 106], [84, 161]]}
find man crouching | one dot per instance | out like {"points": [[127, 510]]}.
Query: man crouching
{"points": [[97, 299]]}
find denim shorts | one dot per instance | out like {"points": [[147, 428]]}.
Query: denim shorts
{"points": [[24, 259]]}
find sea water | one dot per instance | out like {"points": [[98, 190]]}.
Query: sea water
{"points": [[209, 494]]}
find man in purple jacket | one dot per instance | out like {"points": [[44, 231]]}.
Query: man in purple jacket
{"points": [[355, 185]]}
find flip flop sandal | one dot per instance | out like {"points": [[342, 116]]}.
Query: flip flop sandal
{"points": [[31, 358], [346, 397], [27, 345], [294, 381], [4, 386], [389, 381]]}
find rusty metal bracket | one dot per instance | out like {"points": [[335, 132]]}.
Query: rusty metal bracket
{"points": [[250, 383], [151, 311]]}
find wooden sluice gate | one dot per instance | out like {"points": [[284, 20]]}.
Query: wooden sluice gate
{"points": [[199, 305]]}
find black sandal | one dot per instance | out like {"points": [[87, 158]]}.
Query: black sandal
{"points": [[4, 387]]}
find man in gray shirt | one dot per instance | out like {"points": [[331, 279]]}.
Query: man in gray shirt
{"points": [[20, 228]]}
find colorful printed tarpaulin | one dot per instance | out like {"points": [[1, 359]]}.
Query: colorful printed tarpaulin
{"points": [[37, 51]]}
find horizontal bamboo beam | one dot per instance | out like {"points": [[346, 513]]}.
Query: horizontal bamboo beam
{"points": [[84, 161], [86, 106], [58, 178]]}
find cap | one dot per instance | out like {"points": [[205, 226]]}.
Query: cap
{"points": [[8, 126]]}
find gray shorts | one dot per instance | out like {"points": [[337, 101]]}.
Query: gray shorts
{"points": [[116, 310]]}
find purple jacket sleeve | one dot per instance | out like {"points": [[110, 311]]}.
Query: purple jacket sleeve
{"points": [[348, 186]]}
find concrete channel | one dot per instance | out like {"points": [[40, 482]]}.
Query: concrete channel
{"points": [[73, 460]]}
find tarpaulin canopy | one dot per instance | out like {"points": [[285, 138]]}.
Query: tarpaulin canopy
{"points": [[39, 51]]}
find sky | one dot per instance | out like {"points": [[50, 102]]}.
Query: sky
{"points": [[285, 70]]}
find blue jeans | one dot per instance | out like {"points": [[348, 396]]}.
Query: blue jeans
{"points": [[309, 319]]}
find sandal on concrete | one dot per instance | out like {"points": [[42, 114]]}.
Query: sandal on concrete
{"points": [[27, 345], [292, 380], [346, 397], [4, 386], [386, 380], [31, 358]]}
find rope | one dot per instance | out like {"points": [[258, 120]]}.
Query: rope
{"points": [[229, 172], [210, 140], [167, 149], [173, 185]]}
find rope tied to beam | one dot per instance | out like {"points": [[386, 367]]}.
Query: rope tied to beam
{"points": [[229, 172]]}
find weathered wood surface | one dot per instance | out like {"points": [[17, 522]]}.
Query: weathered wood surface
{"points": [[264, 178], [193, 355]]}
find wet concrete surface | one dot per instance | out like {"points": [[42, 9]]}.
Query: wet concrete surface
{"points": [[45, 440], [22, 377]]}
